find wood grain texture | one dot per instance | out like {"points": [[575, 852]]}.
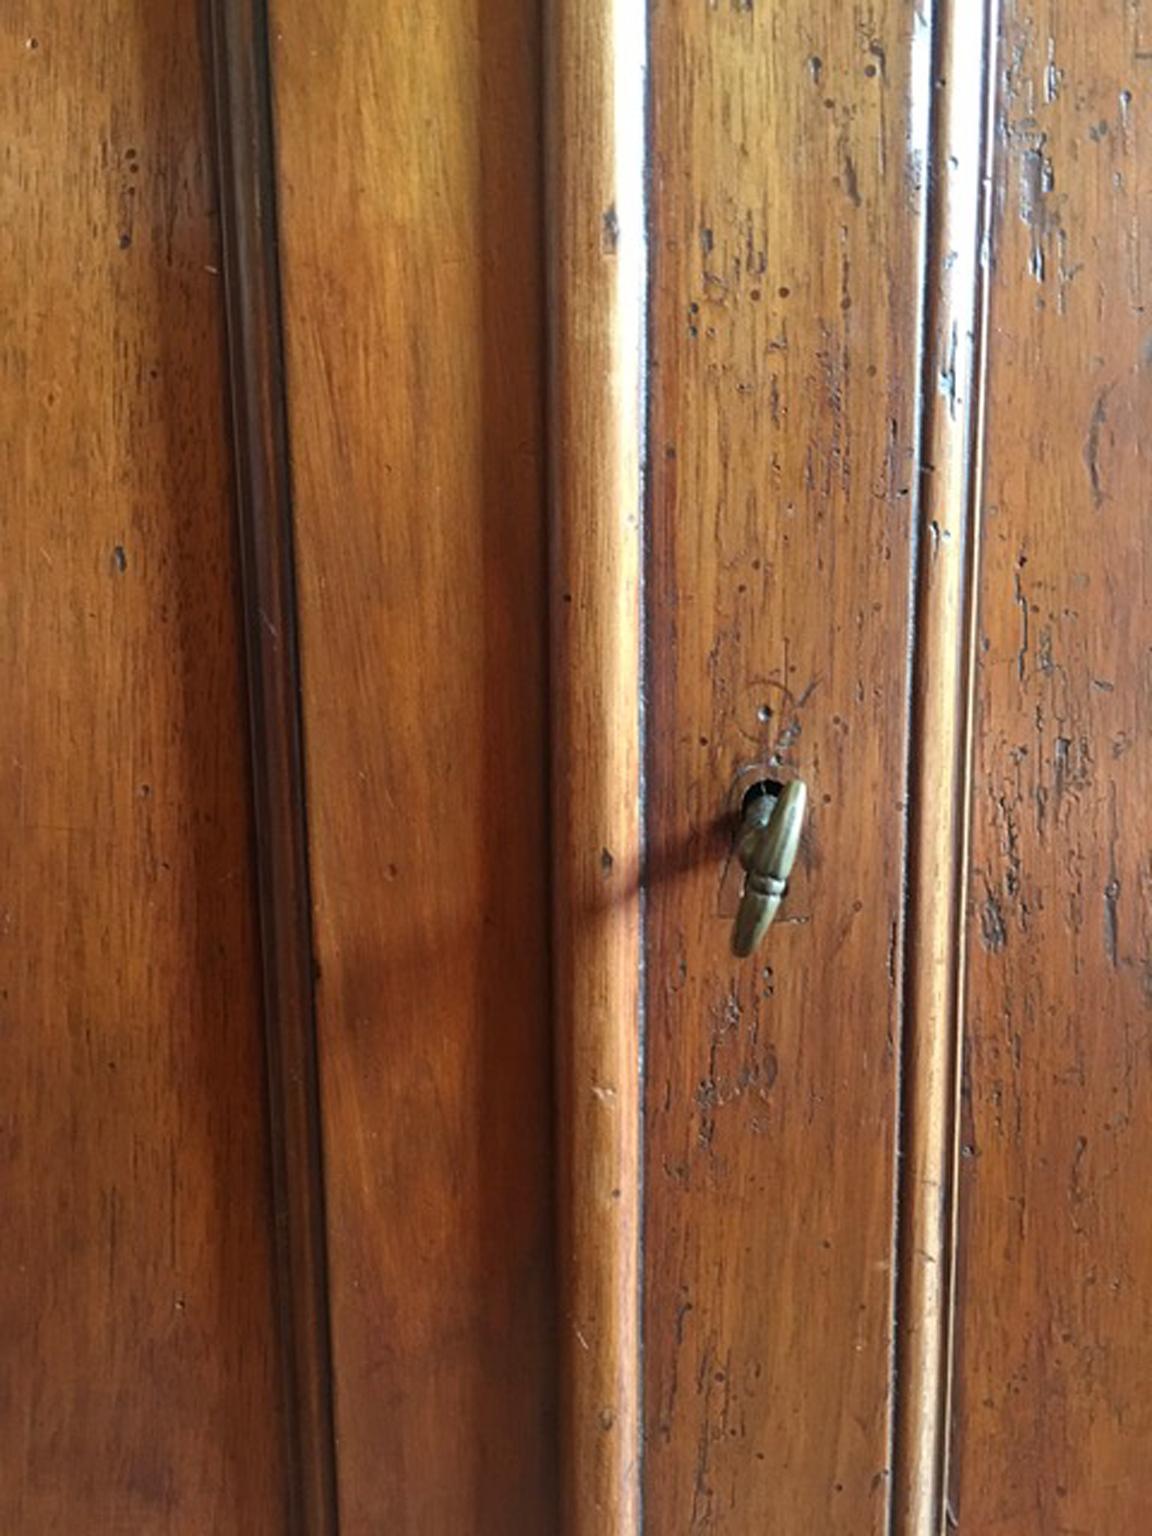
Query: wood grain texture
{"points": [[246, 178], [597, 267], [948, 533], [1052, 1410], [136, 1320], [786, 218], [412, 245]]}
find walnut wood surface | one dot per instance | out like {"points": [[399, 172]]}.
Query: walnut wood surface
{"points": [[1052, 1414], [830, 569], [949, 528], [412, 250], [136, 1319], [597, 268], [785, 270], [250, 271]]}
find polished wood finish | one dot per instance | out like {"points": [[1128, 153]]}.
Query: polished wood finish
{"points": [[246, 180], [1052, 1413], [136, 1324], [597, 258], [852, 1235], [412, 259], [786, 222], [948, 532]]}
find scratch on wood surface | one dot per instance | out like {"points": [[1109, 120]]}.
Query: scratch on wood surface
{"points": [[1096, 426]]}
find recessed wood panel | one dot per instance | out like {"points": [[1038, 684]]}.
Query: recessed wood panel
{"points": [[1052, 1414], [787, 160], [412, 246], [136, 1315]]}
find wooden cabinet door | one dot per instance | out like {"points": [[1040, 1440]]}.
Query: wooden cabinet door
{"points": [[447, 476]]}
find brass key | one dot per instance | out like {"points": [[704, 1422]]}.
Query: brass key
{"points": [[766, 847]]}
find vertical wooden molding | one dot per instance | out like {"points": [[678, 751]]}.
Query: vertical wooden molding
{"points": [[597, 258], [948, 538], [263, 502]]}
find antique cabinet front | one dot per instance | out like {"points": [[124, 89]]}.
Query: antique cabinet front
{"points": [[466, 465]]}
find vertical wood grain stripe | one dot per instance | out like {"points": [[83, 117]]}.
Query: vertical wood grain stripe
{"points": [[597, 282], [787, 150], [1051, 1416], [263, 504], [948, 535]]}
